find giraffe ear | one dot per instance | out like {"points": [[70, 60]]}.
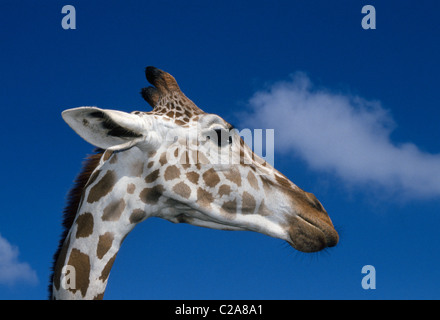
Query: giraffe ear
{"points": [[105, 129]]}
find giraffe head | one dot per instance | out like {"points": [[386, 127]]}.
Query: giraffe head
{"points": [[178, 163], [184, 165]]}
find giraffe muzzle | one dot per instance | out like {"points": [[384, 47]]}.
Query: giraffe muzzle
{"points": [[311, 235]]}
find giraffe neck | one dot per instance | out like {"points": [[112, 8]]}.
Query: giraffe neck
{"points": [[85, 262], [104, 217]]}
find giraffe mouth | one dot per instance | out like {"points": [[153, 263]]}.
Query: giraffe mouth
{"points": [[311, 235]]}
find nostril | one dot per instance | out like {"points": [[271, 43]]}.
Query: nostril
{"points": [[315, 202]]}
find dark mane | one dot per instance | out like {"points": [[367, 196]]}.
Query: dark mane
{"points": [[73, 201]]}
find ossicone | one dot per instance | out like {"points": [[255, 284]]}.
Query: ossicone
{"points": [[163, 81], [151, 95]]}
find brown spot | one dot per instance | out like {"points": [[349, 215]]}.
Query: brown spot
{"points": [[233, 175], [137, 169], [60, 263], [172, 172], [211, 178], [85, 225], [114, 210], [102, 187], [152, 176], [204, 198], [184, 160], [180, 122], [150, 164], [248, 203], [242, 158], [106, 271], [130, 188], [104, 244], [170, 114], [230, 206], [99, 296], [252, 180], [193, 177], [176, 153], [224, 190], [151, 195], [81, 264], [137, 216], [163, 159], [182, 189]]}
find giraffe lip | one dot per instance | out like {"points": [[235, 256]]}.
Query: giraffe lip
{"points": [[310, 235], [326, 227]]}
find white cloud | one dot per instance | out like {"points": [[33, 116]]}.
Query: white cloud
{"points": [[343, 134], [11, 270]]}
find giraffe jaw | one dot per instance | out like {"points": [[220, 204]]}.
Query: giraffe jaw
{"points": [[200, 221]]}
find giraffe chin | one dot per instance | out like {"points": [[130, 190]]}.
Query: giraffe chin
{"points": [[311, 236]]}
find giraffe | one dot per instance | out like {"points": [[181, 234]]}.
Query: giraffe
{"points": [[171, 163]]}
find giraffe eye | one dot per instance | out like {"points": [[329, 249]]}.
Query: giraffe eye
{"points": [[222, 136], [219, 137]]}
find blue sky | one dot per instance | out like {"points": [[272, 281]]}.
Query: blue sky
{"points": [[359, 129]]}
